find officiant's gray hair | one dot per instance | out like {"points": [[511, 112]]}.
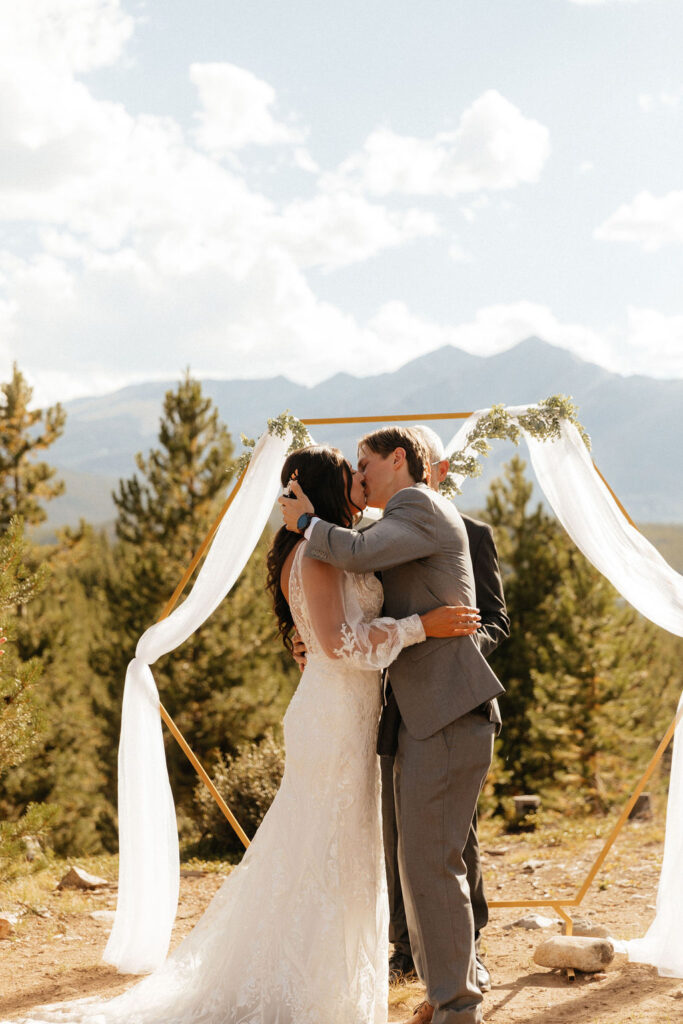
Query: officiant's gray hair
{"points": [[432, 440]]}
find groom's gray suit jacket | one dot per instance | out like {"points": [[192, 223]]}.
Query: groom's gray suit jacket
{"points": [[420, 546]]}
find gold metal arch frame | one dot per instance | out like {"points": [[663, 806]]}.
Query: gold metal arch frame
{"points": [[558, 905]]}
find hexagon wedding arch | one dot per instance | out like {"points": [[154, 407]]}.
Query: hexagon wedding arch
{"points": [[591, 515]]}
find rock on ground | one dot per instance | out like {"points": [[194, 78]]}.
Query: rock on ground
{"points": [[581, 953], [105, 916], [533, 921], [77, 878]]}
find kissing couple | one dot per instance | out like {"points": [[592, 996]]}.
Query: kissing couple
{"points": [[298, 932]]}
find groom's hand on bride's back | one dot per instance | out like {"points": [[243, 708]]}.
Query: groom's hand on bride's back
{"points": [[298, 650], [451, 620]]}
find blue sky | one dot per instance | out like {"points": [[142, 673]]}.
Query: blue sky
{"points": [[303, 188]]}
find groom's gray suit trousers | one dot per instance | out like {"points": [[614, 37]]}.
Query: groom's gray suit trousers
{"points": [[398, 926], [437, 782]]}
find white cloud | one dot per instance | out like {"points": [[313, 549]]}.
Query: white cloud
{"points": [[338, 228], [652, 221], [665, 100], [62, 150], [494, 147], [654, 343], [140, 251], [50, 127], [471, 210], [457, 254], [116, 314], [72, 37], [120, 180], [304, 161], [237, 110]]}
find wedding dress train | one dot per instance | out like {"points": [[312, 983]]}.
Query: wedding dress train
{"points": [[297, 934]]}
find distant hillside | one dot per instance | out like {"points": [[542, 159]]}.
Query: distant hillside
{"points": [[635, 422]]}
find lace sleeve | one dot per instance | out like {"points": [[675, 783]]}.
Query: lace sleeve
{"points": [[338, 624]]}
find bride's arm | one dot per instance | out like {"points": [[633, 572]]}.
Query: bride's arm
{"points": [[375, 644]]}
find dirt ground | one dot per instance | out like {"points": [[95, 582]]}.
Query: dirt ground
{"points": [[54, 952]]}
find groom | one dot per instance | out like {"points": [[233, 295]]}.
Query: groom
{"points": [[493, 629], [444, 691]]}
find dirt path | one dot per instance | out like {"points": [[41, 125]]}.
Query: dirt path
{"points": [[56, 957]]}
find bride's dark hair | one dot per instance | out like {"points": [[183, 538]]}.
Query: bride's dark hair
{"points": [[325, 478]]}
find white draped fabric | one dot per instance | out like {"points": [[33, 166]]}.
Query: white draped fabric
{"points": [[148, 838], [662, 944], [596, 524], [149, 864], [599, 529]]}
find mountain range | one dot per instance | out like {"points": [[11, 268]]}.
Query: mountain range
{"points": [[634, 422]]}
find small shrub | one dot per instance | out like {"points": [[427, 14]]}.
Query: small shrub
{"points": [[35, 823], [248, 783]]}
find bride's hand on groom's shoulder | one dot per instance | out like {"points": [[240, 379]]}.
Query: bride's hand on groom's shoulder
{"points": [[451, 620]]}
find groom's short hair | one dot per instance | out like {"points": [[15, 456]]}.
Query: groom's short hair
{"points": [[388, 439]]}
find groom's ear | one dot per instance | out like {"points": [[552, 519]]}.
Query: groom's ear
{"points": [[399, 458]]}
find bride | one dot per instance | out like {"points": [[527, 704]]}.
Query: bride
{"points": [[297, 934]]}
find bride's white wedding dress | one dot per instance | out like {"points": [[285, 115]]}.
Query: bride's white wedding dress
{"points": [[297, 934]]}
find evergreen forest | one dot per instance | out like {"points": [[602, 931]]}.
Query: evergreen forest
{"points": [[591, 686]]}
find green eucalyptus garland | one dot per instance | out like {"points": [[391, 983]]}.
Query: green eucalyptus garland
{"points": [[541, 421], [278, 427]]}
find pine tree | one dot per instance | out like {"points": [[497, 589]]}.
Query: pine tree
{"points": [[595, 667], [531, 551], [25, 483], [61, 627], [54, 632], [19, 716]]}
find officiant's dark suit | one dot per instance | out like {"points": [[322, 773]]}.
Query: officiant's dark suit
{"points": [[445, 693], [494, 628]]}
